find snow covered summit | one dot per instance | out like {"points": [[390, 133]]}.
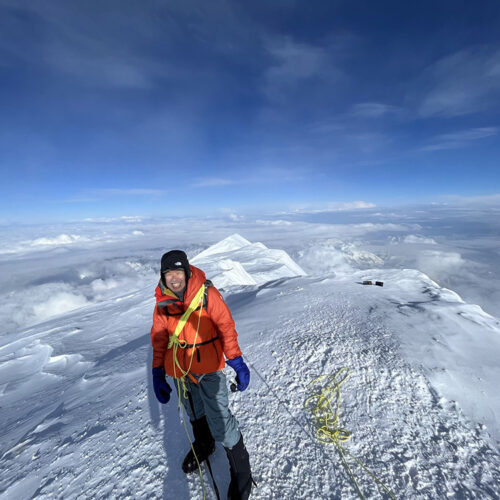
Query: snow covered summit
{"points": [[80, 419], [235, 261]]}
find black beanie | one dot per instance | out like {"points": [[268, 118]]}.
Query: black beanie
{"points": [[175, 259]]}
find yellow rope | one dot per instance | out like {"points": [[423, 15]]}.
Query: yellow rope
{"points": [[326, 418]]}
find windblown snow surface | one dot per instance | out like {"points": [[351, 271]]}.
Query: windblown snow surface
{"points": [[79, 418]]}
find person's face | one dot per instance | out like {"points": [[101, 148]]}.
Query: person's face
{"points": [[175, 280]]}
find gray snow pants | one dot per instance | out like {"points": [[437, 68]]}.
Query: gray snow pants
{"points": [[210, 399]]}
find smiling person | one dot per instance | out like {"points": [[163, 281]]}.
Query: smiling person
{"points": [[193, 337]]}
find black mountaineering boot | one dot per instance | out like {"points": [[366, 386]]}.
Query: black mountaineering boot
{"points": [[241, 475], [204, 445]]}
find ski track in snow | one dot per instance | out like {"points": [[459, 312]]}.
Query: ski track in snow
{"points": [[82, 420]]}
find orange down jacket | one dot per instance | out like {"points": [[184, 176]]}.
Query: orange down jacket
{"points": [[216, 338]]}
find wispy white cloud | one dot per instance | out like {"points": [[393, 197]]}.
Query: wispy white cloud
{"points": [[258, 175], [351, 205], [96, 52], [368, 142], [484, 200], [294, 63], [439, 264], [460, 138], [214, 182], [129, 192], [89, 65], [373, 109], [281, 174], [333, 206], [109, 49], [419, 239], [94, 195], [123, 218], [81, 199], [465, 82]]}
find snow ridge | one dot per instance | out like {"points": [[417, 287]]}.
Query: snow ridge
{"points": [[235, 261]]}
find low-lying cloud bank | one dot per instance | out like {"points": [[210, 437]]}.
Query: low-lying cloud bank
{"points": [[77, 265], [65, 289], [62, 239]]}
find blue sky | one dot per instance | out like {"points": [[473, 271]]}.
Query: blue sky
{"points": [[188, 107]]}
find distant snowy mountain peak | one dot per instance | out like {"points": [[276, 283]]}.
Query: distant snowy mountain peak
{"points": [[235, 261], [233, 242]]}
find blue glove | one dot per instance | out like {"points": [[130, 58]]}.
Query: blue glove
{"points": [[160, 385], [242, 372]]}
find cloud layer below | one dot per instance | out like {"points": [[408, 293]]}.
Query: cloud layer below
{"points": [[62, 268]]}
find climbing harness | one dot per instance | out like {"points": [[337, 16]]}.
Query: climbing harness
{"points": [[170, 305], [176, 343], [326, 418]]}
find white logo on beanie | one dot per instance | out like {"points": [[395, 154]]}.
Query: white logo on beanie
{"points": [[178, 263]]}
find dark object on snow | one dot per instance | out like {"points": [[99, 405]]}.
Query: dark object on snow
{"points": [[370, 282], [204, 445], [241, 475]]}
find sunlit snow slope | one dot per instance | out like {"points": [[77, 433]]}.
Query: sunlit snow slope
{"points": [[236, 261], [79, 418]]}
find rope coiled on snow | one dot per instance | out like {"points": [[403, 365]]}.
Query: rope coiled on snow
{"points": [[328, 430]]}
